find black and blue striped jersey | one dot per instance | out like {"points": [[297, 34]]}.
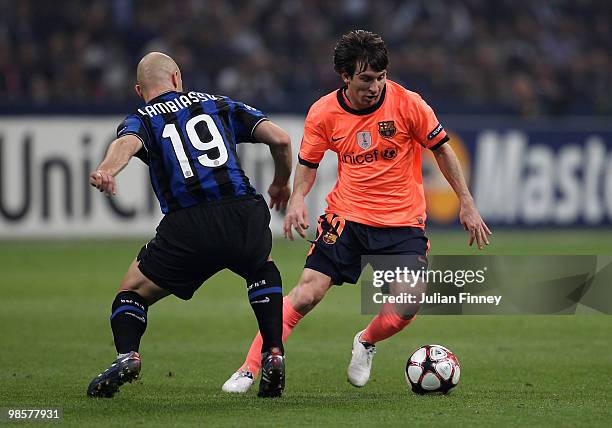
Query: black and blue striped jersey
{"points": [[189, 143]]}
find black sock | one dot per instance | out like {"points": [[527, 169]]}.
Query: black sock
{"points": [[128, 321], [266, 297]]}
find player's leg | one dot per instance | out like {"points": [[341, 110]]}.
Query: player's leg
{"points": [[128, 323], [265, 293], [130, 307], [249, 243], [309, 291], [389, 321], [392, 318], [165, 265], [333, 259]]}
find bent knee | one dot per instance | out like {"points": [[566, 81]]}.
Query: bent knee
{"points": [[303, 297], [133, 279], [310, 290], [136, 282]]}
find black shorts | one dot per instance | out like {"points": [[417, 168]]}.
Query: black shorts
{"points": [[340, 245], [194, 243]]}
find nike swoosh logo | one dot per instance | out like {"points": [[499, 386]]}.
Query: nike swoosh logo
{"points": [[336, 139], [266, 300]]}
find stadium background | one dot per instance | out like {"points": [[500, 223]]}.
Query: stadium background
{"points": [[525, 90]]}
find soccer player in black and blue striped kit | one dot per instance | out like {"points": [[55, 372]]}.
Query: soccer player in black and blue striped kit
{"points": [[214, 219]]}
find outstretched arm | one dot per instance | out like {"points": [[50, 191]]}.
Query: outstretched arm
{"points": [[117, 157], [297, 214], [278, 140], [468, 214]]}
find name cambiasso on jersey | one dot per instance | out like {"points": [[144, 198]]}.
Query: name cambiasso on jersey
{"points": [[379, 154], [189, 142]]}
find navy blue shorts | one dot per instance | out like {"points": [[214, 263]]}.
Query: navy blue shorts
{"points": [[194, 243], [340, 244]]}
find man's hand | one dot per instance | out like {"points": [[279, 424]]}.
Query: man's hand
{"points": [[279, 195], [472, 222], [297, 217], [468, 215], [117, 157], [104, 182]]}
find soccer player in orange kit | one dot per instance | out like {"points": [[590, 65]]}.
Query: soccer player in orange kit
{"points": [[377, 207]]}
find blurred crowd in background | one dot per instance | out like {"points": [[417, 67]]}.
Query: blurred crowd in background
{"points": [[526, 58]]}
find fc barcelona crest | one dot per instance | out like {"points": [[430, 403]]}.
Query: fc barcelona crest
{"points": [[387, 128], [364, 139], [329, 238]]}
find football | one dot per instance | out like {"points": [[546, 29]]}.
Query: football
{"points": [[432, 369]]}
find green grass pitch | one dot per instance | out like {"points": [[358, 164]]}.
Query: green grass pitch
{"points": [[55, 302]]}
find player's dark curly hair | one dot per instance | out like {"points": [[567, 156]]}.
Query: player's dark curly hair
{"points": [[360, 47]]}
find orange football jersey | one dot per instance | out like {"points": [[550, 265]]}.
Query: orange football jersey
{"points": [[379, 155]]}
